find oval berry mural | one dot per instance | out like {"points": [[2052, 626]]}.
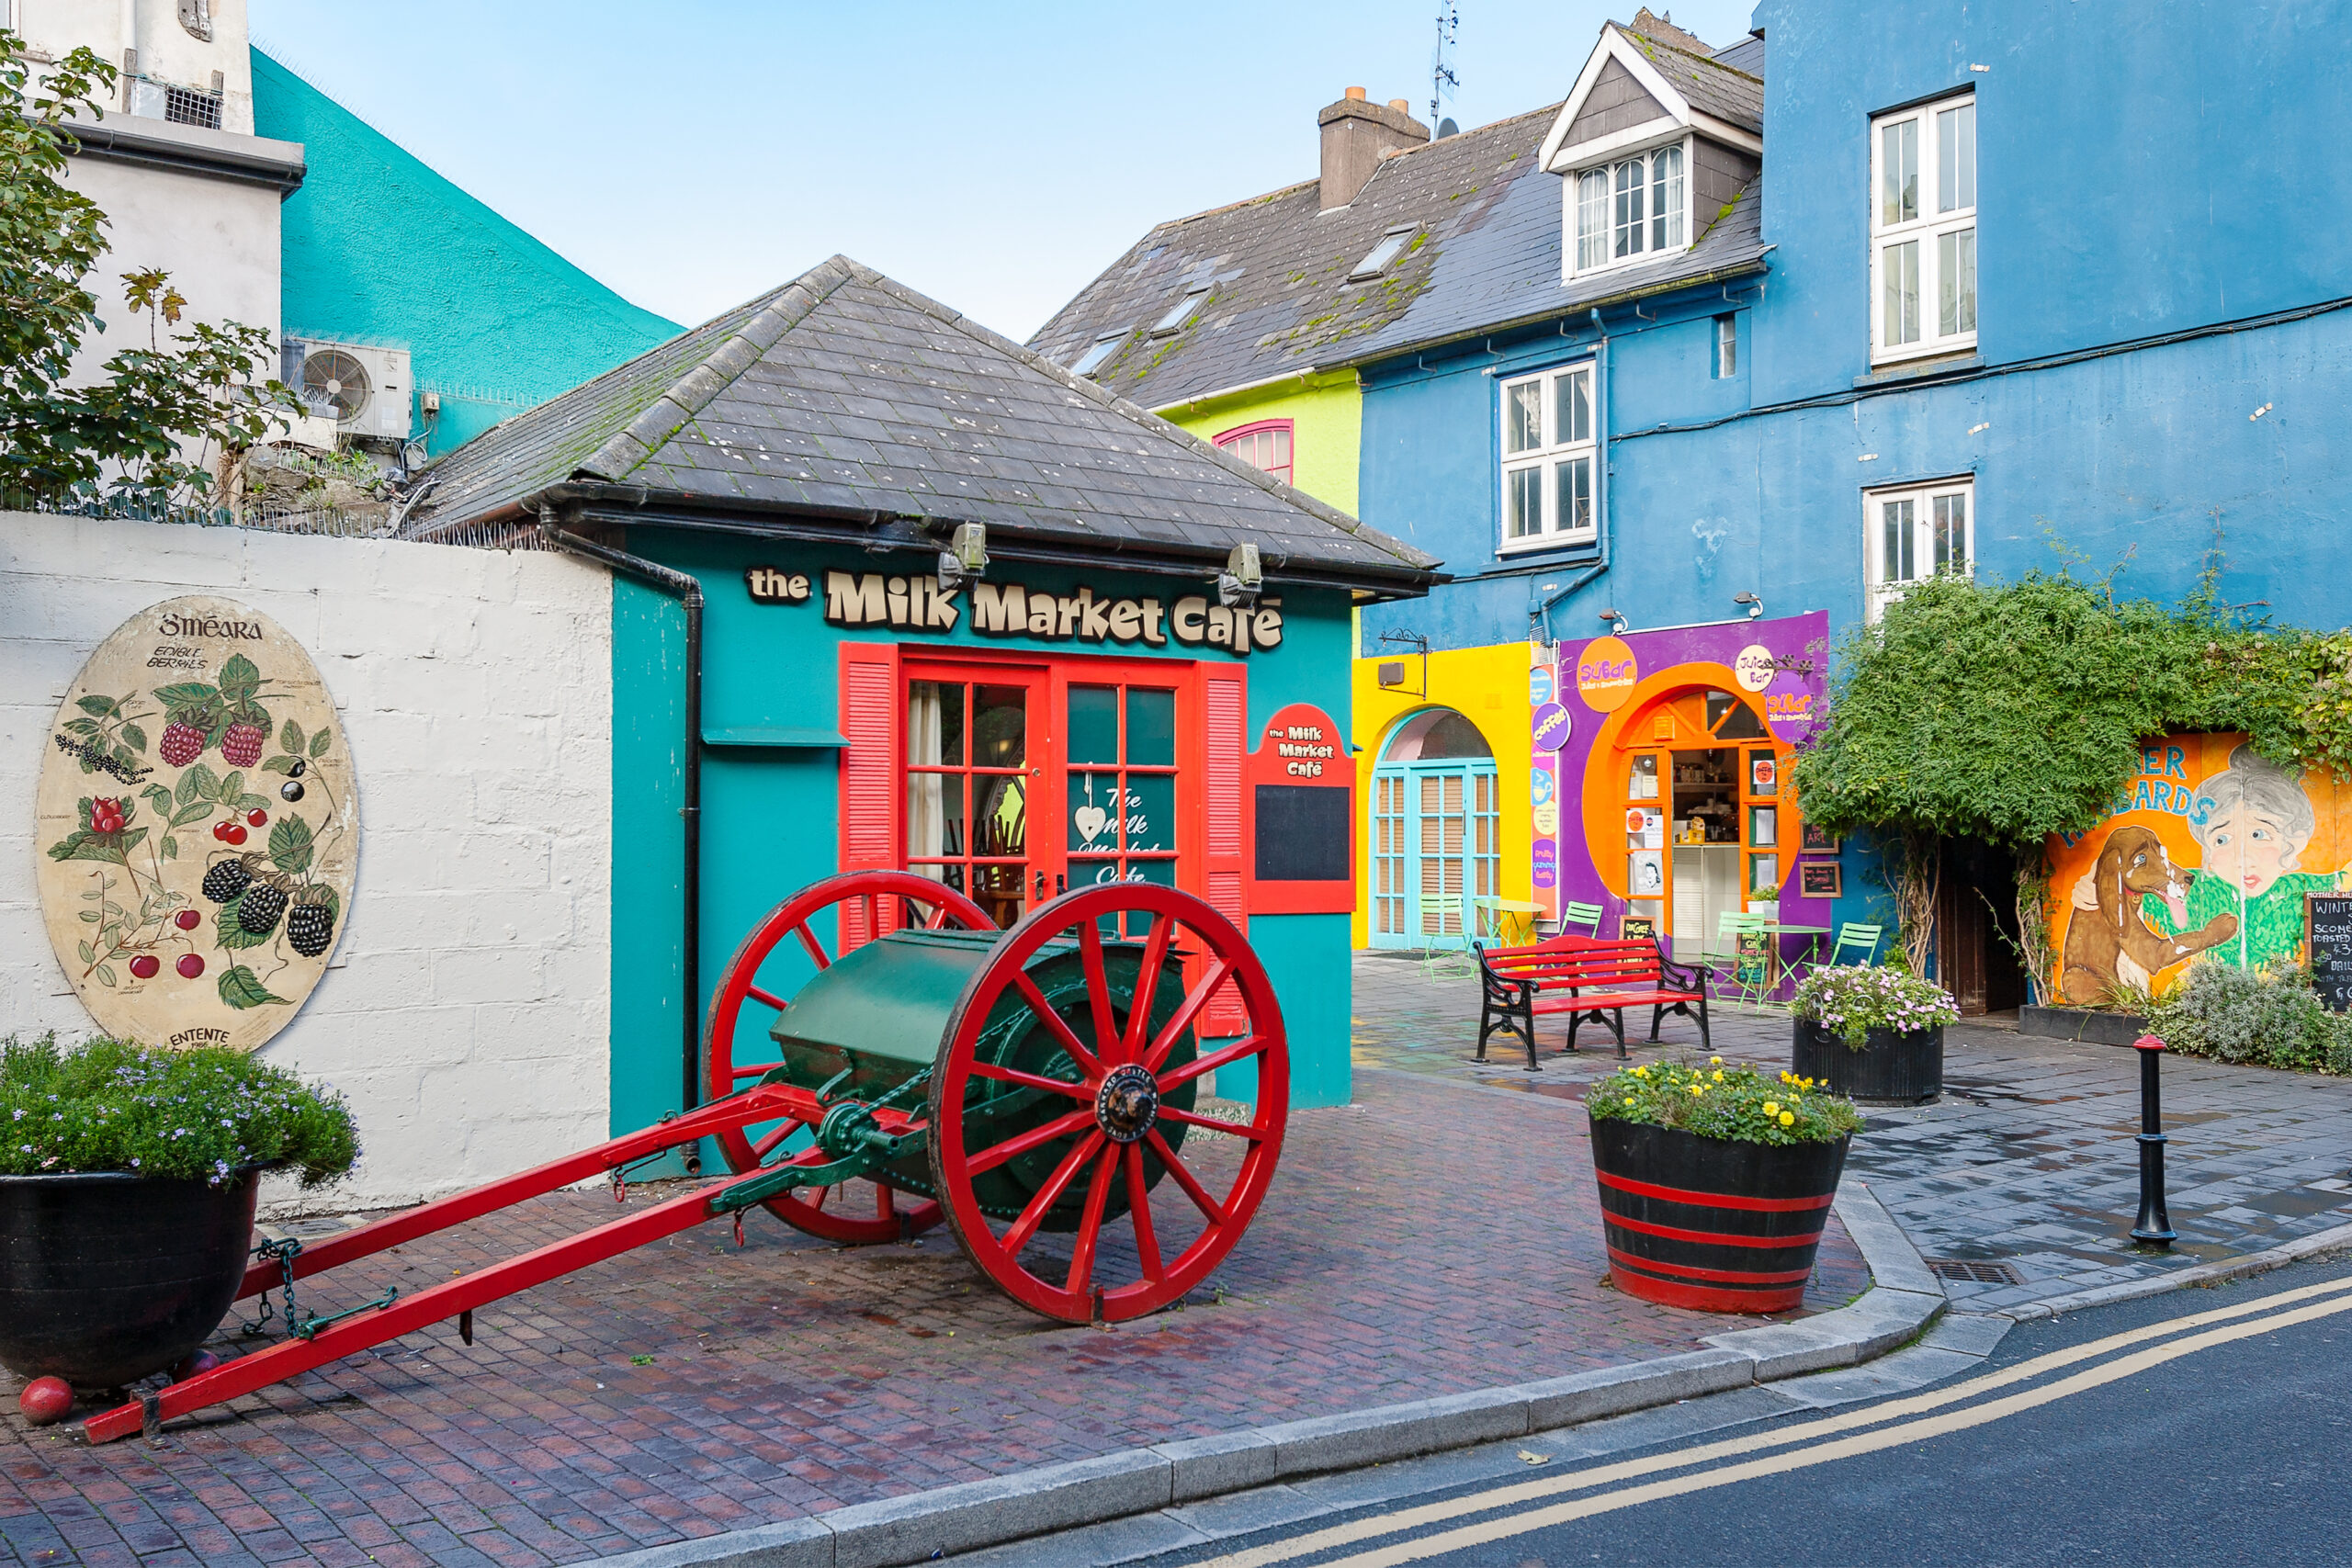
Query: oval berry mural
{"points": [[199, 826]]}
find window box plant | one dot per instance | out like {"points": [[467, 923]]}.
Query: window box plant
{"points": [[1715, 1181], [127, 1179], [1875, 1033]]}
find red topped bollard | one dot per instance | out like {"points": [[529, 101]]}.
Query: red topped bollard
{"points": [[2153, 1227]]}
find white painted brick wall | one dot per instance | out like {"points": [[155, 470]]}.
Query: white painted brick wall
{"points": [[467, 1012]]}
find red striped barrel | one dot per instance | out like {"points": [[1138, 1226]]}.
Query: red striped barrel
{"points": [[1711, 1223]]}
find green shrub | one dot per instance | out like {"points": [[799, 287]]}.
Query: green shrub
{"points": [[2271, 1018], [112, 1105], [1715, 1102]]}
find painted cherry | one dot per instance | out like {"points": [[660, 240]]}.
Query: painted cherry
{"points": [[233, 833], [145, 965], [220, 832], [190, 965], [188, 920], [256, 817]]}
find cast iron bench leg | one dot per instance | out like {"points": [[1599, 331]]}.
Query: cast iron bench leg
{"points": [[1617, 1027]]}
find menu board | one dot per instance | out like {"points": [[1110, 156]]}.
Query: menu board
{"points": [[1302, 796], [2327, 930]]}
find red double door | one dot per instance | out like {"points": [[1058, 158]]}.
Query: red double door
{"points": [[1012, 780]]}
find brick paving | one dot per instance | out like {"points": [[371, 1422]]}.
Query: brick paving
{"points": [[1433, 1236], [2026, 1164]]}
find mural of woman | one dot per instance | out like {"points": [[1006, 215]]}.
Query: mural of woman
{"points": [[2254, 822]]}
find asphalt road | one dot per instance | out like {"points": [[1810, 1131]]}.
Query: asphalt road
{"points": [[2153, 1432]]}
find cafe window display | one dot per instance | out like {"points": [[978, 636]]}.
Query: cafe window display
{"points": [[1703, 830]]}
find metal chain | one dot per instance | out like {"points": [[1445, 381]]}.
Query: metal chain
{"points": [[283, 1250]]}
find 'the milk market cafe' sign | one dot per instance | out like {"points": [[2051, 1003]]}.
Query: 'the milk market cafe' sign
{"points": [[1012, 610]]}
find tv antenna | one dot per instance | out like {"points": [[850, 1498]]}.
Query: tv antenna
{"points": [[1442, 80]]}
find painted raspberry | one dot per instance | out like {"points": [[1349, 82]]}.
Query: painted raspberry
{"points": [[226, 880], [240, 744], [183, 743], [265, 901], [309, 928]]}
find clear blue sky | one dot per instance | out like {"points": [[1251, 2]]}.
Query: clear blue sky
{"points": [[692, 154]]}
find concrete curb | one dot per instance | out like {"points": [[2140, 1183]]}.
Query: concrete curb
{"points": [[2202, 1274], [1902, 1301]]}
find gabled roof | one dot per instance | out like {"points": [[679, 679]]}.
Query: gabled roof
{"points": [[845, 395], [1279, 303], [1704, 92]]}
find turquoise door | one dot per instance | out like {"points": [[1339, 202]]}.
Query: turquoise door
{"points": [[1436, 821]]}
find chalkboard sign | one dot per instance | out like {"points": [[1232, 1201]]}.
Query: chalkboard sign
{"points": [[1302, 833], [2327, 932]]}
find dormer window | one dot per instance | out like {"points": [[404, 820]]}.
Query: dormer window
{"points": [[1181, 312], [1377, 260], [1631, 207]]}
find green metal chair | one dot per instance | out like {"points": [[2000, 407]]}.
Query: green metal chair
{"points": [[1721, 962], [1587, 916], [1445, 955], [1861, 938]]}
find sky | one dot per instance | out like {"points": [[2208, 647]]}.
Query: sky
{"points": [[692, 154]]}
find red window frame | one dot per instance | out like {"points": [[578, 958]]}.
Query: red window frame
{"points": [[1225, 441]]}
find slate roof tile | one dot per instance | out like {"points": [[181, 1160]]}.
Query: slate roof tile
{"points": [[847, 391], [1487, 256]]}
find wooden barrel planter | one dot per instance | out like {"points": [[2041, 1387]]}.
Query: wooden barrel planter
{"points": [[1904, 1067], [1711, 1223], [107, 1278]]}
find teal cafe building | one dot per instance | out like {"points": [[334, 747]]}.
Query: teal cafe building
{"points": [[890, 592]]}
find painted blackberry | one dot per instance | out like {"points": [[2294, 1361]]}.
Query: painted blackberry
{"points": [[308, 926], [240, 744], [226, 879], [265, 901], [183, 743]]}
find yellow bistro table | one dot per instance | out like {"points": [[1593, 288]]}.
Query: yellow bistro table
{"points": [[1513, 922]]}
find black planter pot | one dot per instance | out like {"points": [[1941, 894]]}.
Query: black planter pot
{"points": [[108, 1278], [1905, 1068], [1710, 1224]]}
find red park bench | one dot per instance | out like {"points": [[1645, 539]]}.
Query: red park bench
{"points": [[1586, 979]]}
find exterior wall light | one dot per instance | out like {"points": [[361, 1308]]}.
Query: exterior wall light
{"points": [[965, 556], [1617, 627], [1754, 603], [1243, 578]]}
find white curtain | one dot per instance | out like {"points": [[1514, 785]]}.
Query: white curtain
{"points": [[926, 799]]}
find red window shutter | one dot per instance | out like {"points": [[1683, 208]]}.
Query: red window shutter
{"points": [[870, 790], [1225, 720]]}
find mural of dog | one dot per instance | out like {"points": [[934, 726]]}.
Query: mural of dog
{"points": [[2108, 942]]}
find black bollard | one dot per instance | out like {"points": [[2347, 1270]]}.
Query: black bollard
{"points": [[2155, 1226]]}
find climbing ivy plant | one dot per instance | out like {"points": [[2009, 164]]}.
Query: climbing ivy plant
{"points": [[2009, 711]]}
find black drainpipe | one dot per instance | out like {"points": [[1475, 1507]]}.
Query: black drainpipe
{"points": [[687, 591]]}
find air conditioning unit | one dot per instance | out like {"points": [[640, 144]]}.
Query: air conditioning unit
{"points": [[364, 389]]}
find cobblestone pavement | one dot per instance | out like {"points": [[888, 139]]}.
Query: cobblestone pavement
{"points": [[1428, 1239], [2025, 1166]]}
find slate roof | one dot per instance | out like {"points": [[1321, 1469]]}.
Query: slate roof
{"points": [[1280, 302], [846, 396], [1714, 85], [1487, 258]]}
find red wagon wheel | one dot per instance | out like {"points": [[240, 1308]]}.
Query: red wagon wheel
{"points": [[1065, 1090], [870, 902]]}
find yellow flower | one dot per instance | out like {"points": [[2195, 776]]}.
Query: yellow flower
{"points": [[1717, 1061], [1698, 1088], [1787, 1120], [1771, 1108], [1719, 1075], [1641, 1072]]}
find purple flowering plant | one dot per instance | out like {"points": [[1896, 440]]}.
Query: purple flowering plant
{"points": [[197, 1115], [1849, 1000]]}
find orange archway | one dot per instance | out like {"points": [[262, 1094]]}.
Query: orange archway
{"points": [[1686, 814]]}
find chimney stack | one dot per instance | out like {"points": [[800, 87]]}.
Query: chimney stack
{"points": [[1357, 134]]}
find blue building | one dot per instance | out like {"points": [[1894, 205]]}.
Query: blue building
{"points": [[2003, 280]]}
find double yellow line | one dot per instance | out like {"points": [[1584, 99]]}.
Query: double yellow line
{"points": [[1811, 1443]]}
